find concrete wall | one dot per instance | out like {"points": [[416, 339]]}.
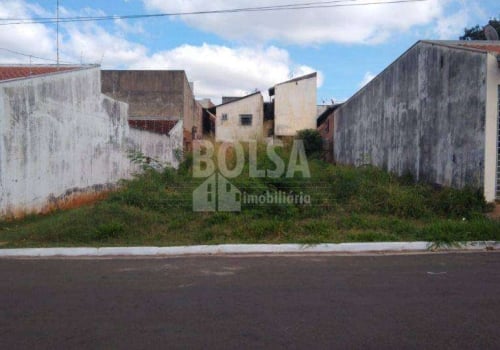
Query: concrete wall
{"points": [[424, 115], [231, 130], [154, 93], [148, 93], [295, 106], [193, 112], [492, 144], [163, 148], [61, 138]]}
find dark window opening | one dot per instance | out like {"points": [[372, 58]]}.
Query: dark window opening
{"points": [[246, 119]]}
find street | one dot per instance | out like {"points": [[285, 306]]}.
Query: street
{"points": [[313, 301]]}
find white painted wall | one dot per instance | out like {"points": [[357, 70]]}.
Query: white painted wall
{"points": [[295, 106], [59, 135], [163, 148], [491, 129], [230, 129]]}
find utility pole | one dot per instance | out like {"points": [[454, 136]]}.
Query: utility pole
{"points": [[57, 30]]}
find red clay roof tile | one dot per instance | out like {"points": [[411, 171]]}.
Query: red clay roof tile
{"points": [[15, 72], [489, 48]]}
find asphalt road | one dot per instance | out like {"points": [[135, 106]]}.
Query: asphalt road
{"points": [[379, 302]]}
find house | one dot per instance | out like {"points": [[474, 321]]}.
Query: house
{"points": [[62, 142], [156, 97], [292, 108], [433, 113], [240, 119], [294, 105]]}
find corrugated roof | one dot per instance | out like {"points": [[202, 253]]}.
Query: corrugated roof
{"points": [[17, 72]]}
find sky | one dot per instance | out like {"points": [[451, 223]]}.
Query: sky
{"points": [[233, 54]]}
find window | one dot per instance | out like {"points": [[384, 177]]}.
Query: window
{"points": [[224, 117], [246, 119]]}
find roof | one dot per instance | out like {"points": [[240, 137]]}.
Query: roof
{"points": [[328, 111], [308, 76], [238, 99], [24, 71], [476, 45], [303, 77]]}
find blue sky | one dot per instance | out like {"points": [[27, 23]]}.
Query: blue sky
{"points": [[233, 54]]}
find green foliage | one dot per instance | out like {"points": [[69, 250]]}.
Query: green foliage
{"points": [[313, 143], [477, 32], [145, 162], [348, 204], [458, 203], [112, 229]]}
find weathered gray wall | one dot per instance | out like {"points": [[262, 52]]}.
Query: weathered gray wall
{"points": [[148, 93], [154, 93], [163, 148], [60, 137], [424, 115]]}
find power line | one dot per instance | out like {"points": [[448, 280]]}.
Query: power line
{"points": [[298, 6], [32, 56], [315, 3]]}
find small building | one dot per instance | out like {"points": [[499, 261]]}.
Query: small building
{"points": [[240, 119], [433, 113], [294, 105]]}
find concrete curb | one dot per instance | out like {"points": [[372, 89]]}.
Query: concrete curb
{"points": [[382, 247]]}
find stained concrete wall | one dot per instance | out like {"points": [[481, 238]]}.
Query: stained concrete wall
{"points": [[295, 106], [154, 93], [231, 129], [167, 149], [193, 112], [424, 115], [60, 138]]}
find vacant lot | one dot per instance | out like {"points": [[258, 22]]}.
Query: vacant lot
{"points": [[347, 205]]}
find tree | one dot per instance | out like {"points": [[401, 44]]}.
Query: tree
{"points": [[477, 32]]}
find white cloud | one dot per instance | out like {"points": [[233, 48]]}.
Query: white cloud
{"points": [[33, 38], [216, 70], [356, 24], [91, 43], [452, 26], [366, 79], [219, 70]]}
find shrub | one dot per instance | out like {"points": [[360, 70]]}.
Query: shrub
{"points": [[313, 143]]}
